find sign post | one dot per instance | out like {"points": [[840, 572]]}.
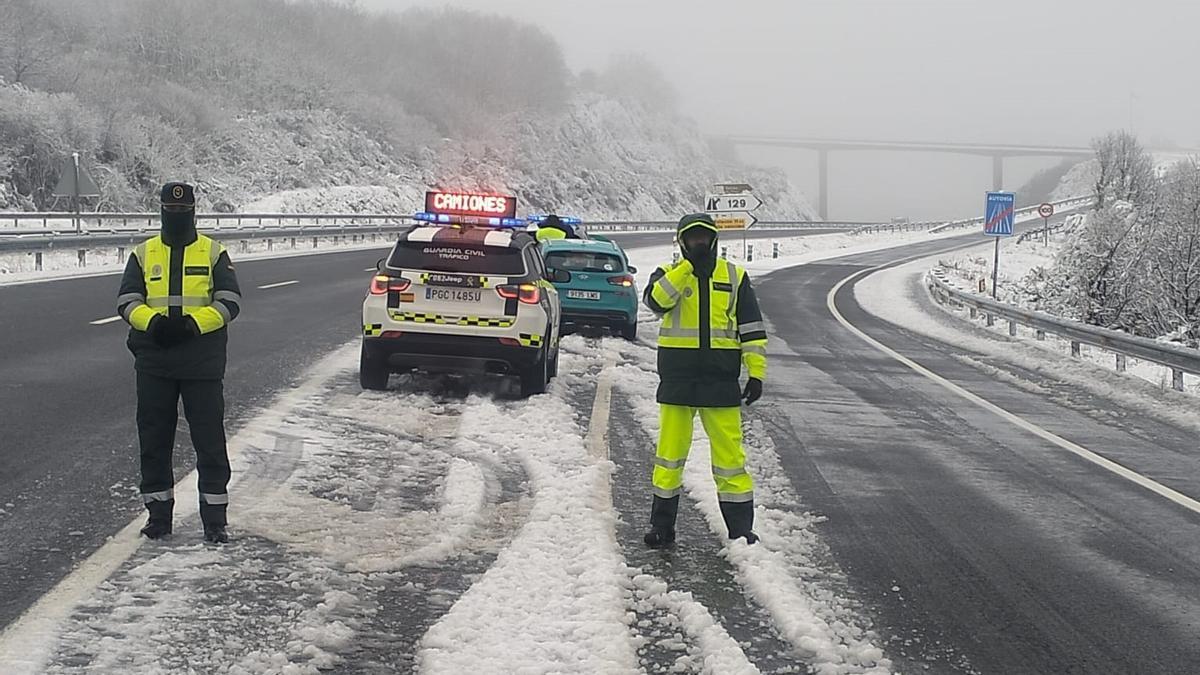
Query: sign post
{"points": [[1045, 211], [731, 209], [999, 217], [74, 182]]}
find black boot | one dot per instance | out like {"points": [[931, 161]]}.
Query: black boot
{"points": [[662, 522], [159, 524], [216, 534], [739, 519], [213, 517]]}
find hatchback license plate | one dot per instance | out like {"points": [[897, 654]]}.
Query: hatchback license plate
{"points": [[453, 294], [584, 295]]}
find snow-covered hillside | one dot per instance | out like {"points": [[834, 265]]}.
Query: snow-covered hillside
{"points": [[600, 158]]}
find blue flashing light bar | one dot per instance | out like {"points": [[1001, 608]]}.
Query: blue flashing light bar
{"points": [[451, 219], [567, 220]]}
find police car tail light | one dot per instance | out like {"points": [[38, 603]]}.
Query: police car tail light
{"points": [[381, 284], [623, 280], [526, 293]]}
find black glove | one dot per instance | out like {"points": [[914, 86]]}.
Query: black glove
{"points": [[169, 331], [159, 330], [753, 390]]}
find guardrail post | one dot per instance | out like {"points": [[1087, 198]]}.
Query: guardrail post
{"points": [[37, 261], [82, 258], [1012, 328], [1120, 363], [1177, 379], [1075, 349]]}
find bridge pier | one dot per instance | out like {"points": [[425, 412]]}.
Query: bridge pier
{"points": [[997, 172], [823, 184]]}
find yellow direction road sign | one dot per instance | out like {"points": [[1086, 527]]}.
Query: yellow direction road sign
{"points": [[734, 221]]}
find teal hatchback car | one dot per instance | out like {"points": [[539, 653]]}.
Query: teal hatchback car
{"points": [[595, 285]]}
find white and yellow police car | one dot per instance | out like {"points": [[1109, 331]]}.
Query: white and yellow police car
{"points": [[465, 290]]}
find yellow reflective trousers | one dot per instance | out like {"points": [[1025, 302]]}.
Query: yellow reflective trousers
{"points": [[724, 429]]}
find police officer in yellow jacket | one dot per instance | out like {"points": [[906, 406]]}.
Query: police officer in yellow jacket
{"points": [[553, 228], [711, 327], [178, 293]]}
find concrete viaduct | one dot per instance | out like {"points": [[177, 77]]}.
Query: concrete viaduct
{"points": [[824, 146]]}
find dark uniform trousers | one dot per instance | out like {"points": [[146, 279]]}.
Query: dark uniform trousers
{"points": [[157, 416]]}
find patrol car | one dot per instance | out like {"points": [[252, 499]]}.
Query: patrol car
{"points": [[465, 290]]}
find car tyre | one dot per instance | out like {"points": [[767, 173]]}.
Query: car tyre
{"points": [[535, 377], [372, 375], [629, 331]]}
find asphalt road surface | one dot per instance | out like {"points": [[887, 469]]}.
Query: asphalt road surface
{"points": [[68, 444], [979, 546]]}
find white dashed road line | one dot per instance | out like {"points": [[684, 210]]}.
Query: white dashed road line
{"points": [[278, 285], [101, 322]]}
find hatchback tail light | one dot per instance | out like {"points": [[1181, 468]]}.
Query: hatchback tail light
{"points": [[382, 283], [623, 280], [530, 294]]}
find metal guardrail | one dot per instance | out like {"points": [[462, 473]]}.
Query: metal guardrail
{"points": [[1179, 359], [115, 229], [118, 237], [120, 220], [1062, 204]]}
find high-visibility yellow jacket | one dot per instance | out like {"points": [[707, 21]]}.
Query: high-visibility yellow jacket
{"points": [[196, 281], [549, 233], [711, 327]]}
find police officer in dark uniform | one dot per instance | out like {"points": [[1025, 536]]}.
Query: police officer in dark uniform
{"points": [[178, 293]]}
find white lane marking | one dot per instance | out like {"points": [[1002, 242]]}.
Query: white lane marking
{"points": [[370, 269], [278, 285], [597, 436], [26, 644], [101, 322], [1103, 462]]}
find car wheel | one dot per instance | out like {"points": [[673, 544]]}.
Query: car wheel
{"points": [[629, 330], [535, 377], [372, 375]]}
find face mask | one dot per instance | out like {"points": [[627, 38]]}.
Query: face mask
{"points": [[178, 228], [698, 248]]}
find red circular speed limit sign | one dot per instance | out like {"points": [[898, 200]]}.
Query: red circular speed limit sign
{"points": [[1046, 210]]}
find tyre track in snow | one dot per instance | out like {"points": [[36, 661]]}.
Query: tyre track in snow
{"points": [[695, 565], [412, 599], [284, 596]]}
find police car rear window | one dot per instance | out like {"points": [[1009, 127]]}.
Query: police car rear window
{"points": [[458, 258], [584, 261]]}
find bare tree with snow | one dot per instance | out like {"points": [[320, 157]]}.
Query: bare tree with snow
{"points": [[1125, 172]]}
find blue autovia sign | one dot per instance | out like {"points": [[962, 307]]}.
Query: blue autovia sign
{"points": [[999, 214]]}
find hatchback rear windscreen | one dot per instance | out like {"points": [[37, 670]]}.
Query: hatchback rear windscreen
{"points": [[584, 261], [458, 258]]}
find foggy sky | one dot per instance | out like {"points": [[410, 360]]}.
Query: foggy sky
{"points": [[1024, 71]]}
